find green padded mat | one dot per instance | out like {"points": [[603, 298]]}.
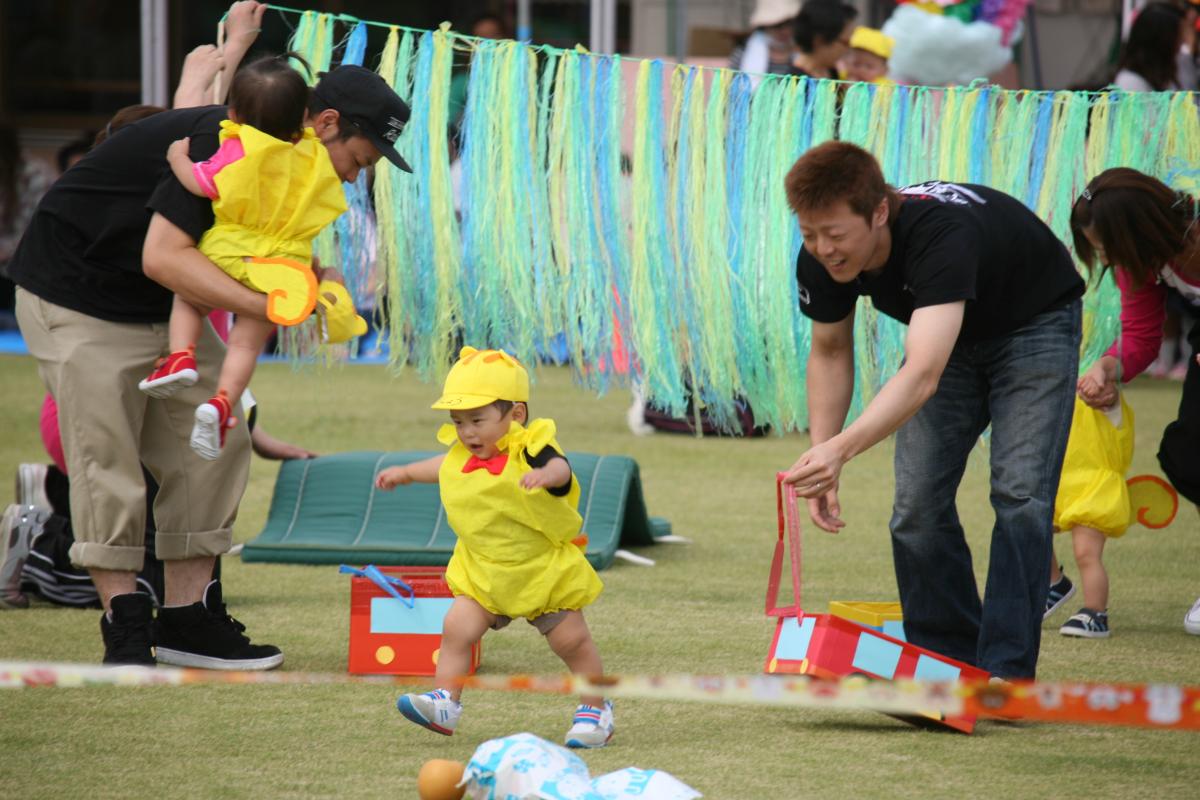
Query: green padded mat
{"points": [[327, 511]]}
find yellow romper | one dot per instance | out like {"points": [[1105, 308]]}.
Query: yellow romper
{"points": [[271, 204], [515, 554], [1092, 491]]}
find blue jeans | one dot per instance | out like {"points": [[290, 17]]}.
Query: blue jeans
{"points": [[1023, 384]]}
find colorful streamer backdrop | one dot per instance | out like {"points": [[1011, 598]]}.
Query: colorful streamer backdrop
{"points": [[629, 216]]}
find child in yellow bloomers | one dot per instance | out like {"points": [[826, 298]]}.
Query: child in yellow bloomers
{"points": [[1093, 503], [273, 189], [511, 498]]}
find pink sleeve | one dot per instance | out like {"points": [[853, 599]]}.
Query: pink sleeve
{"points": [[51, 436], [1142, 314], [206, 171]]}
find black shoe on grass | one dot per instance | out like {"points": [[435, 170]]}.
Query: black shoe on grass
{"points": [[203, 635], [127, 636]]}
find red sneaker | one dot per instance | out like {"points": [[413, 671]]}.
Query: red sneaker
{"points": [[212, 420], [171, 374]]}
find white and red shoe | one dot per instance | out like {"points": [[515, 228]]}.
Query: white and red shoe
{"points": [[171, 374], [213, 419]]}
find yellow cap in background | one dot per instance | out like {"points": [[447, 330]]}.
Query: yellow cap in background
{"points": [[873, 41]]}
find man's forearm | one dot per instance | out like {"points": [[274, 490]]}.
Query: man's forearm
{"points": [[830, 387], [897, 401], [170, 257]]}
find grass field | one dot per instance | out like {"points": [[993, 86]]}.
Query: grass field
{"points": [[700, 609]]}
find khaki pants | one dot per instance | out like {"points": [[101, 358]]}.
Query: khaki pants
{"points": [[109, 428]]}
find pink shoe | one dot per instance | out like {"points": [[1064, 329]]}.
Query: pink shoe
{"points": [[171, 374]]}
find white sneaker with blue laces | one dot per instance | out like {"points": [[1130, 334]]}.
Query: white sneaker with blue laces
{"points": [[593, 726], [433, 710]]}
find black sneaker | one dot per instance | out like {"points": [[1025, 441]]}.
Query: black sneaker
{"points": [[1059, 593], [127, 635], [1087, 623], [203, 635]]}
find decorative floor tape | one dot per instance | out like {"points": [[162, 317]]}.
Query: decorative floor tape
{"points": [[1166, 706]]}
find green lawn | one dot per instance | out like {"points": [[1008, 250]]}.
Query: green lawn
{"points": [[700, 609]]}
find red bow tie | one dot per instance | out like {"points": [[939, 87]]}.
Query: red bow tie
{"points": [[494, 465]]}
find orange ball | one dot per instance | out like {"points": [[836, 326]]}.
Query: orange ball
{"points": [[437, 779]]}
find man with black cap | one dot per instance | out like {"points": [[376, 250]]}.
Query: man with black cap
{"points": [[108, 246]]}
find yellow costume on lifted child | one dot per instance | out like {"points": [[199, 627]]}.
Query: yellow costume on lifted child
{"points": [[271, 204], [519, 551]]}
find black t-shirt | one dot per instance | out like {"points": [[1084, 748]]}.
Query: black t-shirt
{"points": [[83, 247], [954, 242]]}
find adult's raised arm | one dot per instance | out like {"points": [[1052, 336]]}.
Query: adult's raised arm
{"points": [[207, 62]]}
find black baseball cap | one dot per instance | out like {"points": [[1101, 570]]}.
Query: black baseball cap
{"points": [[363, 98]]}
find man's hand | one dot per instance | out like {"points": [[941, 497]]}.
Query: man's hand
{"points": [[815, 472], [392, 477], [327, 273], [244, 20], [179, 149], [826, 511]]}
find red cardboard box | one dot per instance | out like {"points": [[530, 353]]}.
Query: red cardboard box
{"points": [[396, 618], [827, 646]]}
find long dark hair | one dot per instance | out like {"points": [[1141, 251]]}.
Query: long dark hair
{"points": [[272, 96], [821, 22], [1153, 45], [1141, 222]]}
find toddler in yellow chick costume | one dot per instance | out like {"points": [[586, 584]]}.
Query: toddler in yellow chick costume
{"points": [[511, 498], [273, 189]]}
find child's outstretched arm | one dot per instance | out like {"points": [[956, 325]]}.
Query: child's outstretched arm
{"points": [[417, 472], [555, 474], [183, 166]]}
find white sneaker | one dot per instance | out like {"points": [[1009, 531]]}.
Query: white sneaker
{"points": [[593, 726], [1191, 621], [433, 710], [31, 485], [14, 549]]}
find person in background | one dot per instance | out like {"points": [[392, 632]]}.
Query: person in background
{"points": [[1150, 58], [1156, 58], [822, 31], [770, 48], [23, 181], [867, 60]]}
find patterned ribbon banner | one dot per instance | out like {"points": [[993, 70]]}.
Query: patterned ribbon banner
{"points": [[629, 215], [1165, 706]]}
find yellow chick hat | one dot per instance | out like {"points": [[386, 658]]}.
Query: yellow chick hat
{"points": [[873, 41], [480, 377], [337, 318]]}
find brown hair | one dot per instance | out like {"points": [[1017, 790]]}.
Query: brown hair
{"points": [[126, 116], [1141, 222], [272, 96], [836, 172]]}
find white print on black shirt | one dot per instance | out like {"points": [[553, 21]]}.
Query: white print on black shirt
{"points": [[945, 192], [804, 296]]}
